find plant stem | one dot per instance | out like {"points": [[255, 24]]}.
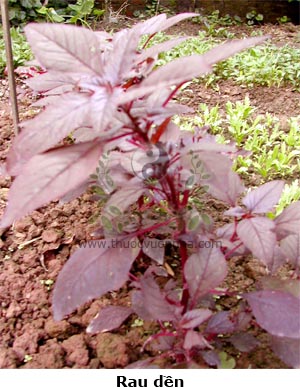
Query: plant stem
{"points": [[185, 293]]}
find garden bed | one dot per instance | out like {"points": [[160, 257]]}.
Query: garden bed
{"points": [[35, 248]]}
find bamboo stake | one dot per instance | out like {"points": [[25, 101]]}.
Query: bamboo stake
{"points": [[10, 65]]}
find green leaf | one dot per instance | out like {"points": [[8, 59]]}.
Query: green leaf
{"points": [[193, 222], [227, 362]]}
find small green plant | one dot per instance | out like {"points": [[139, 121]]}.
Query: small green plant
{"points": [[290, 194], [153, 7], [283, 19], [78, 13], [254, 18], [272, 151], [50, 14], [215, 25], [21, 49]]}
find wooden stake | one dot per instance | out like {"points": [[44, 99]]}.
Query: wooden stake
{"points": [[10, 65]]}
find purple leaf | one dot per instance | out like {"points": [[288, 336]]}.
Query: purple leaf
{"points": [[155, 249], [204, 270], [137, 303], [101, 266], [109, 318], [103, 107], [258, 236], [120, 61], [235, 212], [222, 182], [47, 129], [65, 48], [264, 198], [154, 300], [158, 48], [161, 23], [221, 323], [211, 357], [176, 19], [277, 312], [194, 339], [184, 69], [75, 193], [52, 80], [291, 248], [50, 176], [195, 318], [178, 71], [244, 342], [288, 221], [288, 350]]}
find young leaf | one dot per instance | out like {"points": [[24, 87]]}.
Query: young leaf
{"points": [[121, 59], [204, 270], [264, 198], [49, 177], [65, 48], [47, 129], [101, 266], [288, 350], [109, 318], [277, 312], [194, 318], [288, 221]]}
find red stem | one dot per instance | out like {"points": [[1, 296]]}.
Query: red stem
{"points": [[172, 94]]}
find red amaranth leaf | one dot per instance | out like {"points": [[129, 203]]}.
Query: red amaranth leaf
{"points": [[288, 222], [66, 48], [101, 266], [264, 198], [49, 177], [194, 318], [277, 312], [47, 129], [204, 270], [258, 236], [109, 318]]}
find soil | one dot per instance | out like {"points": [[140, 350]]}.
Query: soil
{"points": [[35, 248]]}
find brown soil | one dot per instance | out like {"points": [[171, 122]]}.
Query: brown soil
{"points": [[34, 250]]}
